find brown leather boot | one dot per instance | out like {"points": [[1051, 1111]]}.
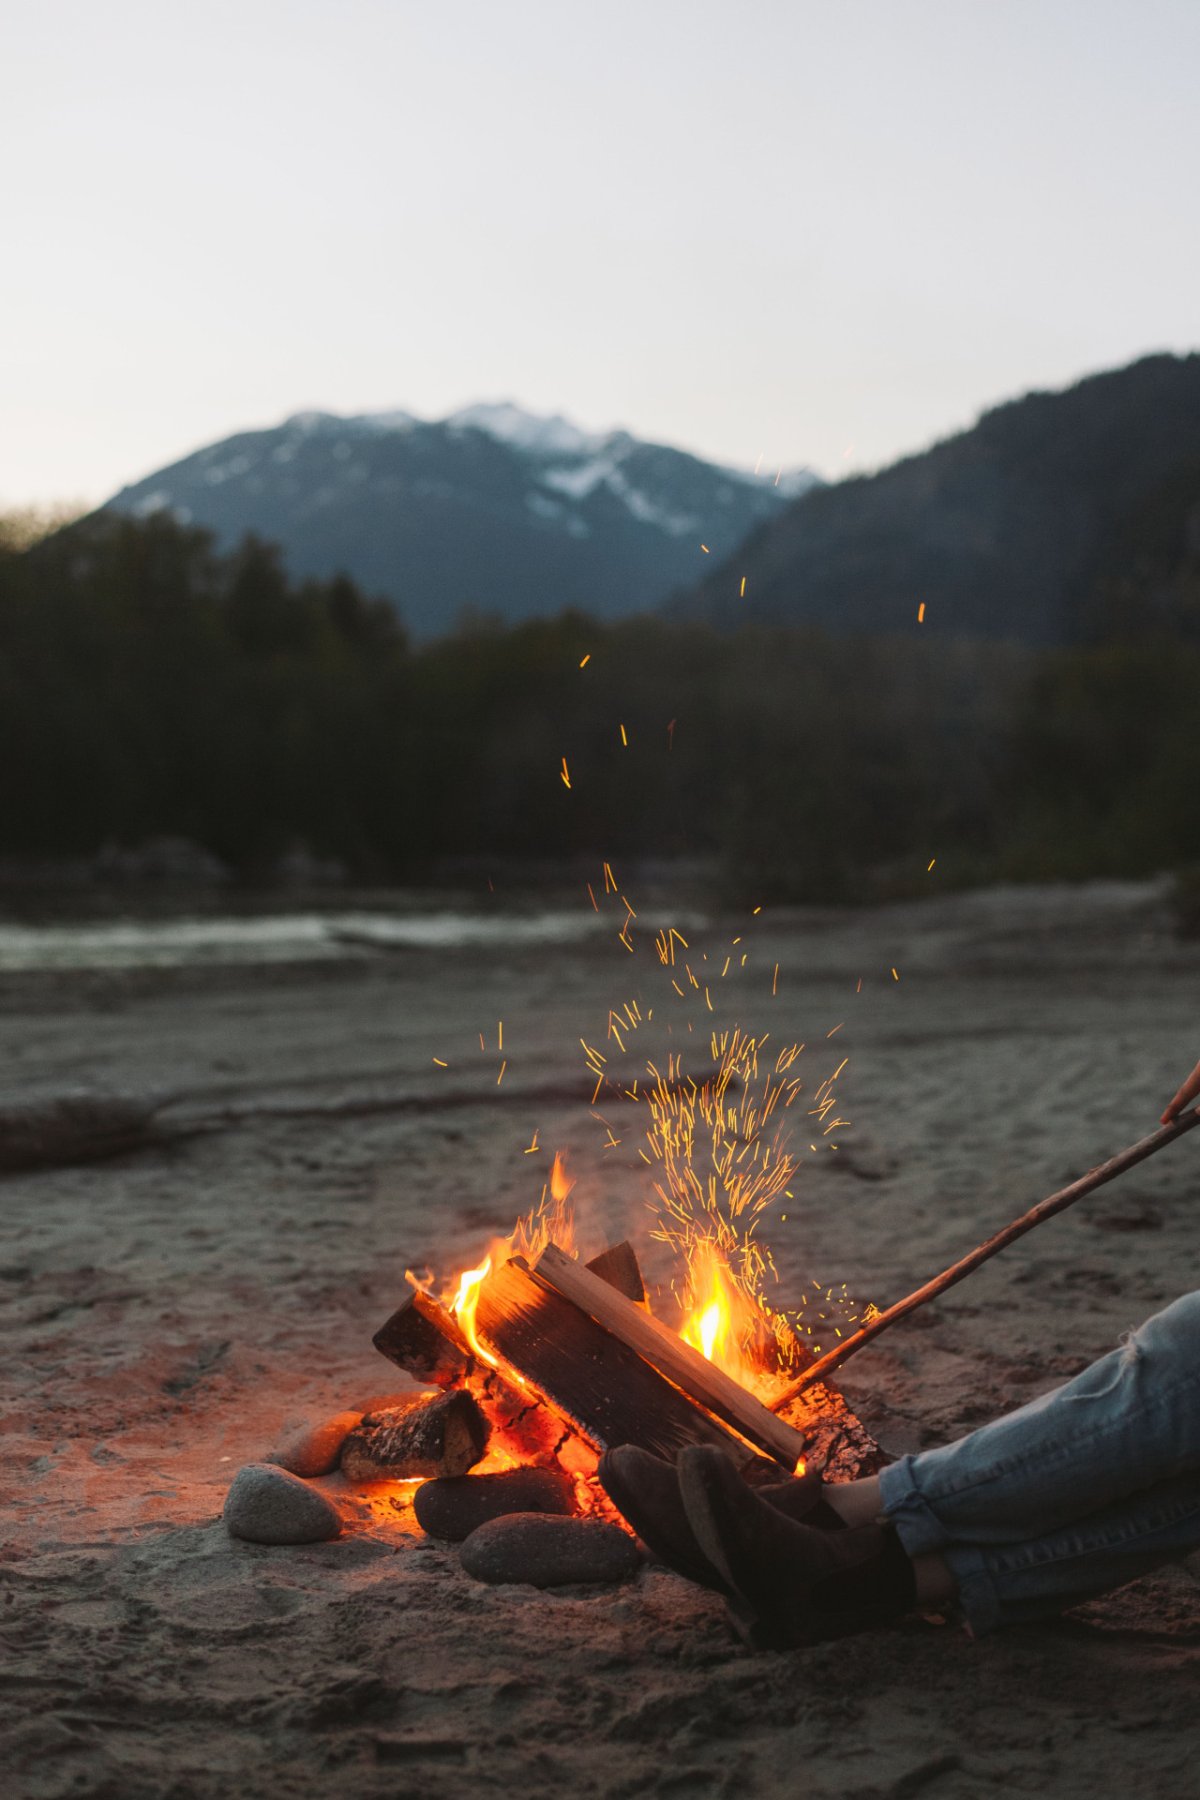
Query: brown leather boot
{"points": [[645, 1491], [791, 1585]]}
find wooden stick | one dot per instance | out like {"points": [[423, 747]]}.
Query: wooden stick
{"points": [[684, 1367], [1087, 1184]]}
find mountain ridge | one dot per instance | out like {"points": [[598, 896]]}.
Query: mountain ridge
{"points": [[493, 510], [999, 531]]}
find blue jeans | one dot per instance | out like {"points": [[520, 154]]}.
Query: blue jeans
{"points": [[1076, 1493]]}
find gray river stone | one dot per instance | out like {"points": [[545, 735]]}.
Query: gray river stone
{"points": [[266, 1505], [549, 1552], [457, 1505]]}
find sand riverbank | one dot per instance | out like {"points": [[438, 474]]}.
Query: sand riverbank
{"points": [[167, 1314]]}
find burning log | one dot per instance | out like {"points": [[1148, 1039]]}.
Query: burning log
{"points": [[445, 1436], [423, 1337], [600, 1384], [667, 1353], [563, 1363]]}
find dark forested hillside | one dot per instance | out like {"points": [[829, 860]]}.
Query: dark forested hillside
{"points": [[1025, 527], [152, 687]]}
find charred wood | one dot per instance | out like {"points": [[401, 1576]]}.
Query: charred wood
{"points": [[601, 1386], [667, 1353], [423, 1337], [445, 1436]]}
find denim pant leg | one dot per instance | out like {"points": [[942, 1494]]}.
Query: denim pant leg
{"points": [[1126, 1424], [1013, 1583]]}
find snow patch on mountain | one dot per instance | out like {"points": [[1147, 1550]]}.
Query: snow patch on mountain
{"points": [[542, 434], [582, 479]]}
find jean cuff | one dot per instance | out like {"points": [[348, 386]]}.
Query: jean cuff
{"points": [[908, 1512], [978, 1598]]}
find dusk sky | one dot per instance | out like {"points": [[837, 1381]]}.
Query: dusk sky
{"points": [[824, 233]]}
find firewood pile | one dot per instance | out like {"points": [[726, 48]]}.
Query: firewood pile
{"points": [[518, 1396], [563, 1361]]}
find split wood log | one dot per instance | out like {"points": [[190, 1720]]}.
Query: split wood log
{"points": [[445, 1436], [619, 1266], [1045, 1209], [423, 1337], [666, 1352], [593, 1377]]}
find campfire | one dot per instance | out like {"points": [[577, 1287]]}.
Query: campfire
{"points": [[521, 1377], [530, 1364], [541, 1361], [534, 1361]]}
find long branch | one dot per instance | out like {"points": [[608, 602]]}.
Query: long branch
{"points": [[1087, 1184]]}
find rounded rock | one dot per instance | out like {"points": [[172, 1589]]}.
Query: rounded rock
{"points": [[549, 1552], [317, 1450], [457, 1505], [267, 1505]]}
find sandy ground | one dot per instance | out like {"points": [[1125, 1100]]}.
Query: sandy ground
{"points": [[168, 1314]]}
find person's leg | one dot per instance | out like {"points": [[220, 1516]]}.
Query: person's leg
{"points": [[1009, 1584], [1127, 1424], [856, 1502]]}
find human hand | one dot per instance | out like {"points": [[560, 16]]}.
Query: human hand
{"points": [[1186, 1094]]}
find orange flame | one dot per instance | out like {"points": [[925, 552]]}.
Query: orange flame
{"points": [[560, 1182], [464, 1303], [717, 1302], [550, 1221]]}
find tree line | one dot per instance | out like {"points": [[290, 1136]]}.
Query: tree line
{"points": [[151, 686]]}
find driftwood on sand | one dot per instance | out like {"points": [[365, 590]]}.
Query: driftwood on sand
{"points": [[85, 1126], [63, 1129]]}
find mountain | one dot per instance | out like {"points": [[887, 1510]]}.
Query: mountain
{"points": [[493, 510], [1023, 527]]}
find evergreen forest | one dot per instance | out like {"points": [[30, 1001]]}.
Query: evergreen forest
{"points": [[151, 686]]}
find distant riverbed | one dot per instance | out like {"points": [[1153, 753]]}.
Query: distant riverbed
{"points": [[279, 937]]}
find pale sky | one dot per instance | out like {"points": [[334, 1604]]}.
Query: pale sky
{"points": [[827, 232]]}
